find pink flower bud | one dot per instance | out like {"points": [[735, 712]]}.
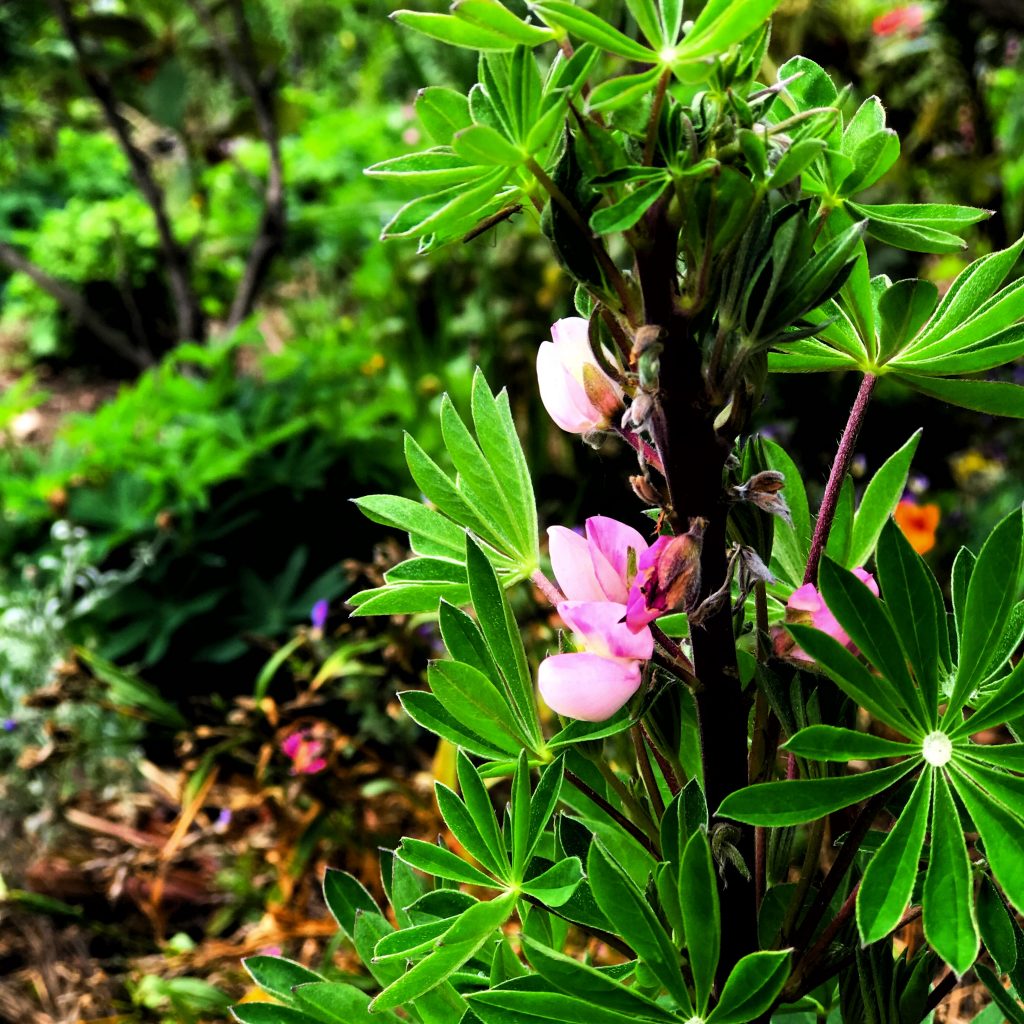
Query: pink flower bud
{"points": [[668, 577], [807, 606], [578, 395]]}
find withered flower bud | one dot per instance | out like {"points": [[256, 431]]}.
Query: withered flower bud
{"points": [[763, 490], [668, 577], [645, 490]]}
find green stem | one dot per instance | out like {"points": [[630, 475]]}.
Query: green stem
{"points": [[652, 124], [613, 812], [646, 772]]}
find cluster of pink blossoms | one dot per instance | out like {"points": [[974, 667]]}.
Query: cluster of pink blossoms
{"points": [[614, 582]]}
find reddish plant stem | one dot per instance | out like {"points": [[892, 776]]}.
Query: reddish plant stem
{"points": [[547, 588], [844, 456], [944, 987], [641, 447]]}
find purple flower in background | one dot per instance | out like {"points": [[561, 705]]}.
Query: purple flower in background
{"points": [[223, 821], [9, 724], [318, 615]]}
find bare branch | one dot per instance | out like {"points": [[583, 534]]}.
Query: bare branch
{"points": [[190, 320], [243, 68], [80, 310]]}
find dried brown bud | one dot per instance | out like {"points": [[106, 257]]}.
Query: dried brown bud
{"points": [[645, 490], [763, 490]]}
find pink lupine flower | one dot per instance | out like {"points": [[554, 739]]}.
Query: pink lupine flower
{"points": [[592, 684], [578, 395], [909, 19], [807, 606], [596, 567], [305, 752]]}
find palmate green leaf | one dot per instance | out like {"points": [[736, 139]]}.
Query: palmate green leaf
{"points": [[501, 633], [751, 988], [720, 24], [555, 886], [462, 941], [619, 92], [868, 691], [429, 532], [471, 697], [495, 16], [698, 900], [870, 627], [571, 976], [881, 496], [441, 863], [481, 144], [347, 898], [902, 310], [478, 804], [645, 14], [620, 901], [465, 642], [442, 112], [997, 398], [462, 825], [801, 800], [912, 225], [833, 743], [991, 594], [277, 975], [543, 803], [430, 170], [592, 29], [426, 710], [519, 814], [627, 211], [837, 546], [455, 31], [338, 1003], [792, 543], [796, 159], [412, 942], [1001, 830], [871, 147], [522, 1006], [407, 598], [452, 211], [888, 882], [269, 1013], [949, 923], [1001, 348], [1011, 1009], [911, 595], [997, 927], [1004, 704]]}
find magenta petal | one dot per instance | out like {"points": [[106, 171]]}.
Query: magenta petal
{"points": [[610, 542], [867, 579], [587, 686], [291, 743], [805, 599], [599, 627], [573, 566]]}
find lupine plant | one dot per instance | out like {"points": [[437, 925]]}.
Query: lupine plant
{"points": [[765, 742]]}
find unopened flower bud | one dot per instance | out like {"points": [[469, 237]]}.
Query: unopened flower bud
{"points": [[578, 395], [645, 490], [668, 577]]}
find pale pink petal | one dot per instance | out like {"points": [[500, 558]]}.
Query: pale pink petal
{"points": [[805, 599], [571, 339], [599, 628], [563, 396], [867, 579], [587, 686], [610, 542], [573, 566]]}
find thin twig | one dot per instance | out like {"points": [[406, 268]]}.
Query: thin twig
{"points": [[646, 772], [844, 456], [271, 232], [190, 320], [72, 301], [942, 989], [592, 794]]}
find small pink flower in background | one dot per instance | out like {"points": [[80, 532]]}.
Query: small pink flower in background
{"points": [[592, 684], [909, 19], [806, 606], [595, 567], [318, 613], [305, 752], [578, 395]]}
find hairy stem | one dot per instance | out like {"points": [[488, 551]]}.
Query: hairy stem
{"points": [[640, 446], [844, 456], [547, 588], [613, 812]]}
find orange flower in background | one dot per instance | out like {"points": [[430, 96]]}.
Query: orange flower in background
{"points": [[918, 523]]}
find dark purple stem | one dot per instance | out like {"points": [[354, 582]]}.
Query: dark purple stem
{"points": [[639, 445], [844, 456]]}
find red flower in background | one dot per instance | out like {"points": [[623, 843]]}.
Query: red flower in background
{"points": [[909, 19], [918, 523]]}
